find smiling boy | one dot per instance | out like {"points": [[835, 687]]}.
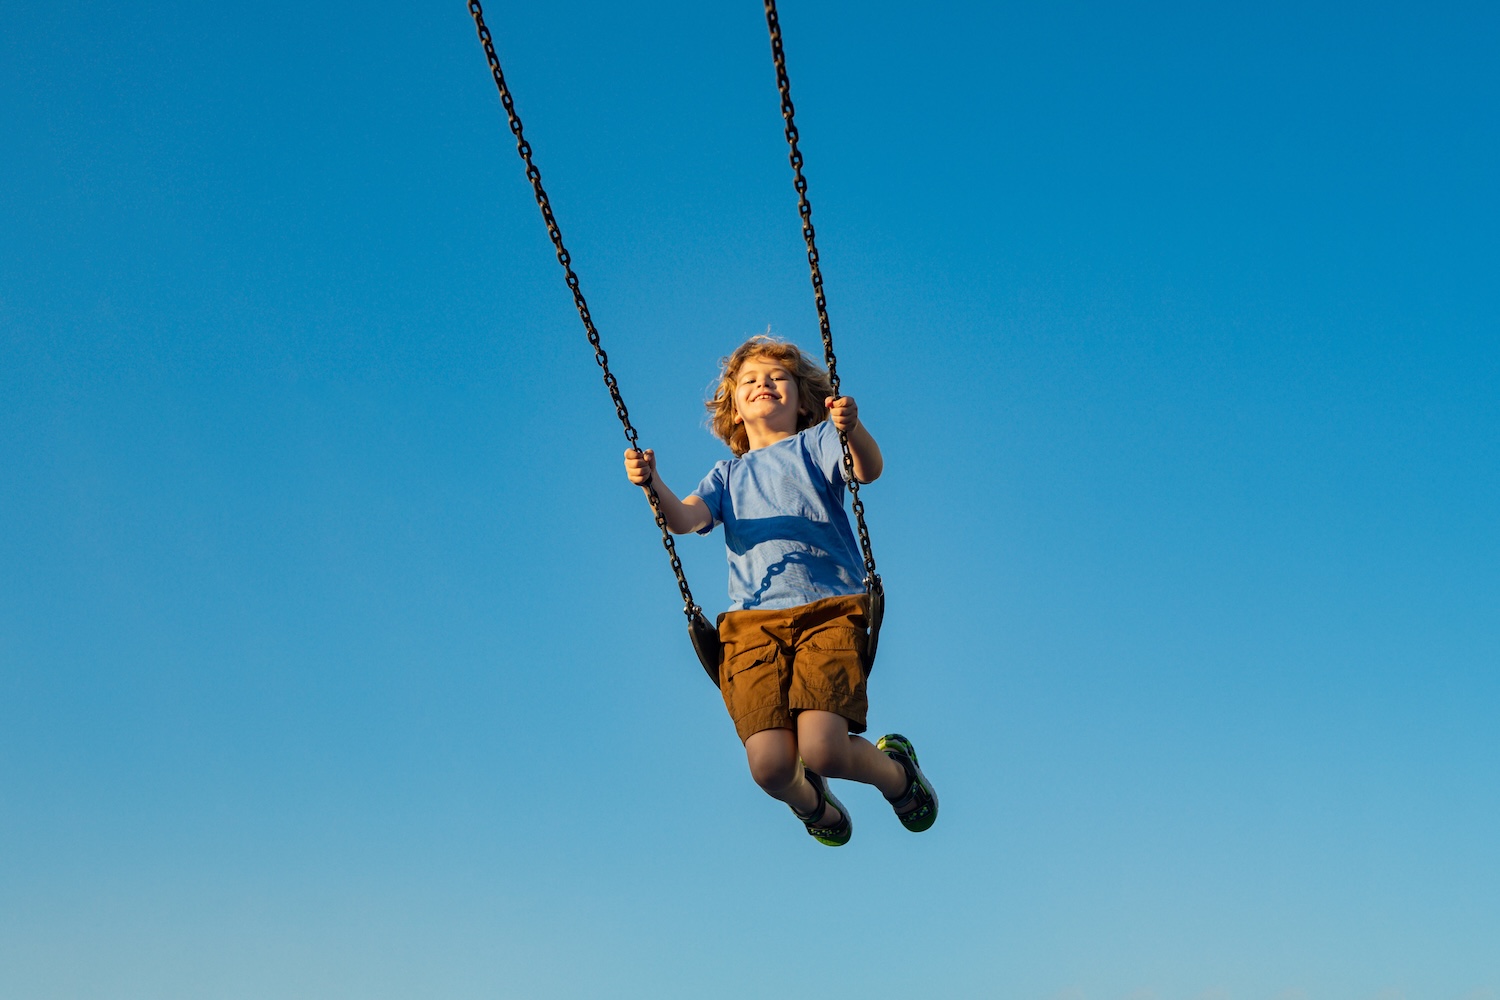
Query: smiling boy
{"points": [[792, 667]]}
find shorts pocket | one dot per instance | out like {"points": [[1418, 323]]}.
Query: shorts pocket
{"points": [[738, 660], [837, 639]]}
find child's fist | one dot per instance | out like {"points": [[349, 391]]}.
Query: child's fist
{"points": [[640, 468], [843, 411]]}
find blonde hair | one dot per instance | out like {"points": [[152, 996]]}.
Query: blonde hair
{"points": [[811, 380]]}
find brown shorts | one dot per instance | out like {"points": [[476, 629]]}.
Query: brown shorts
{"points": [[777, 663]]}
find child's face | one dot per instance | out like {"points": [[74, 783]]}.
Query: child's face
{"points": [[766, 394]]}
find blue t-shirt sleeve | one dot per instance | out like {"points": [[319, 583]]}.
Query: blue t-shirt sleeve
{"points": [[824, 447], [713, 491]]}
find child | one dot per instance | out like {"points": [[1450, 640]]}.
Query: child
{"points": [[792, 665]]}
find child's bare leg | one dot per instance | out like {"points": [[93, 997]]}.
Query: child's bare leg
{"points": [[772, 754], [826, 746]]}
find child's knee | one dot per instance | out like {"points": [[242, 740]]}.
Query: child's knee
{"points": [[774, 768], [774, 775]]}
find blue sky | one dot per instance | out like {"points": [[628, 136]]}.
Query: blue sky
{"points": [[338, 660]]}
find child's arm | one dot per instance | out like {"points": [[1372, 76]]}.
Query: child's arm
{"points": [[683, 516], [844, 413]]}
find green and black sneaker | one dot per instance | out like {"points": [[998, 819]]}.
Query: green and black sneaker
{"points": [[917, 807], [834, 836]]}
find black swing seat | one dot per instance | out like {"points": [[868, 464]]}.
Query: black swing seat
{"points": [[705, 636], [876, 590]]}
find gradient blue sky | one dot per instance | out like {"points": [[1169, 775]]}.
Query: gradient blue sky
{"points": [[338, 660]]}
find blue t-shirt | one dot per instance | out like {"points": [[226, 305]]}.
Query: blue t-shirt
{"points": [[782, 507]]}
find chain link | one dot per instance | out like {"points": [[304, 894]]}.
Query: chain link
{"points": [[534, 175], [804, 209]]}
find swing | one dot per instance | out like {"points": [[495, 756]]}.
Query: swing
{"points": [[704, 635]]}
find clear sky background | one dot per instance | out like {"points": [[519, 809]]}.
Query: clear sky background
{"points": [[337, 658]]}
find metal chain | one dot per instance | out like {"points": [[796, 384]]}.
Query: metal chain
{"points": [[535, 176], [804, 209]]}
